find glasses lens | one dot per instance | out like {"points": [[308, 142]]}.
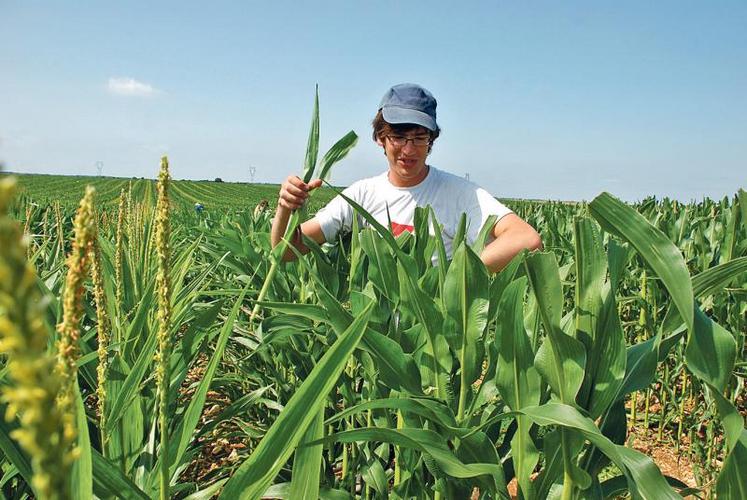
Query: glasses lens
{"points": [[399, 141]]}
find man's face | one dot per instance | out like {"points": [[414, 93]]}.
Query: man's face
{"points": [[406, 153]]}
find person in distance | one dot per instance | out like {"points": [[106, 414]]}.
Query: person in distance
{"points": [[406, 129]]}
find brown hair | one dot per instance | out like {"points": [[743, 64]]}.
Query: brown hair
{"points": [[382, 128]]}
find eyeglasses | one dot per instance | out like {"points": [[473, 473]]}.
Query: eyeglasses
{"points": [[400, 141]]}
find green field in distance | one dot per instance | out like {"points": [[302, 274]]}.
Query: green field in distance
{"points": [[222, 196]]}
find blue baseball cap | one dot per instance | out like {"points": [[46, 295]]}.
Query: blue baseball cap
{"points": [[409, 103]]}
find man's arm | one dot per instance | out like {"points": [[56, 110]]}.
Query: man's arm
{"points": [[293, 194], [512, 235]]}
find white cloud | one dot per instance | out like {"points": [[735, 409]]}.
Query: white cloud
{"points": [[130, 87]]}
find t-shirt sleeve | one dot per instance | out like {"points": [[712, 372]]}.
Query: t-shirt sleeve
{"points": [[336, 216], [485, 207]]}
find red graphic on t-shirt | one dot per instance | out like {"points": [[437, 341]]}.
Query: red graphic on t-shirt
{"points": [[398, 229]]}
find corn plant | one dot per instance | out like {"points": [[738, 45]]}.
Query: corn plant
{"points": [[336, 153]]}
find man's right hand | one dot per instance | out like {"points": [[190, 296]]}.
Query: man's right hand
{"points": [[294, 192]]}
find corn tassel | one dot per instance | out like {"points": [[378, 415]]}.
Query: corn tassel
{"points": [[164, 319], [104, 329], [23, 337], [69, 330]]}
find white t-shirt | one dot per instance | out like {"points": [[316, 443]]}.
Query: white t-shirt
{"points": [[447, 194]]}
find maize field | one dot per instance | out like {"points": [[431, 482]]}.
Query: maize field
{"points": [[149, 351]]}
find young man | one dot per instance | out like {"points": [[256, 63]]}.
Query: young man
{"points": [[405, 127]]}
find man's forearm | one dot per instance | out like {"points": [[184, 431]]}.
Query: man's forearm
{"points": [[500, 251], [279, 227], [279, 224]]}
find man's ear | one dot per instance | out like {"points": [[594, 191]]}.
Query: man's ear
{"points": [[379, 142]]}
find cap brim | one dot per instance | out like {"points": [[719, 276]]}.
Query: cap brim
{"points": [[397, 115]]}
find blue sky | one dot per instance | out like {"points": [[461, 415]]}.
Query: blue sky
{"points": [[554, 100]]}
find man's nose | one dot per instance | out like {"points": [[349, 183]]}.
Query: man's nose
{"points": [[409, 148]]}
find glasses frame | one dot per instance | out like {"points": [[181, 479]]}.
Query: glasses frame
{"points": [[401, 141]]}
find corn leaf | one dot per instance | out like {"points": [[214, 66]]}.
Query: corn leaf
{"points": [[373, 474], [11, 451], [466, 299], [561, 358], [207, 493], [709, 282], [310, 311], [613, 425], [81, 483], [641, 361], [517, 379], [125, 437], [477, 448], [307, 461], [282, 490], [486, 232], [336, 153], [732, 479], [356, 255], [591, 270], [502, 280], [608, 372], [422, 250], [731, 235], [138, 328], [433, 410], [110, 482], [551, 475], [460, 234], [644, 478], [617, 486], [424, 309], [312, 145], [443, 261], [425, 441], [655, 248], [597, 323], [711, 351], [382, 269]]}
